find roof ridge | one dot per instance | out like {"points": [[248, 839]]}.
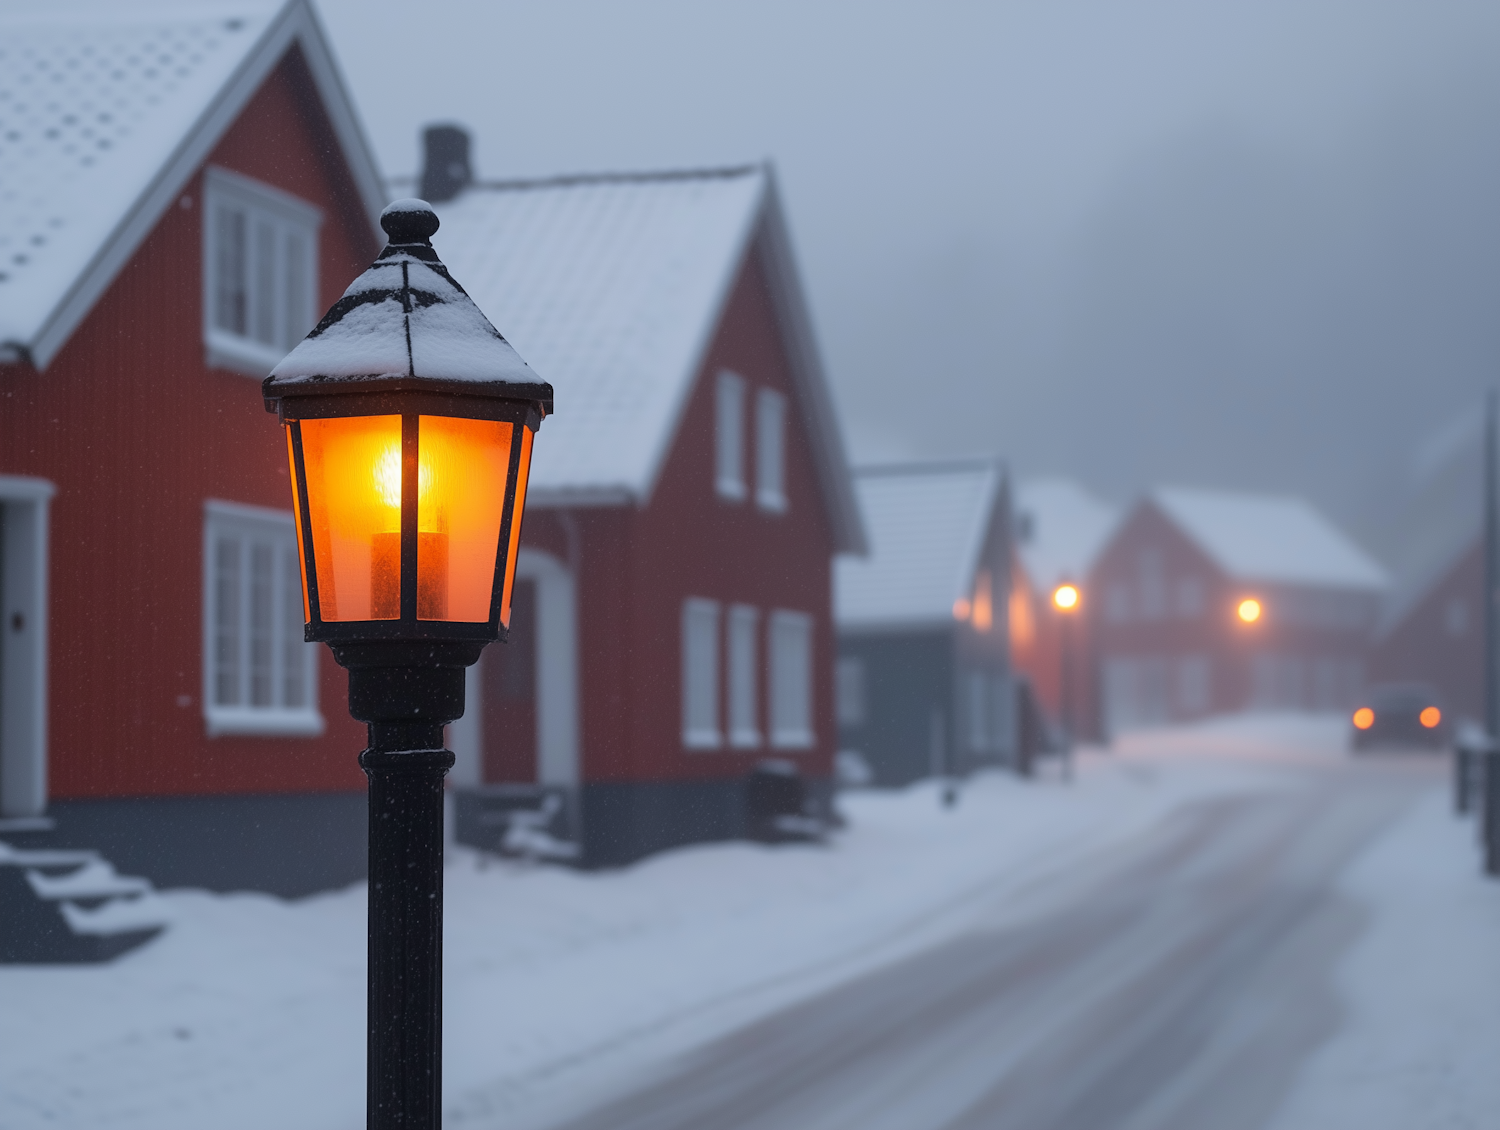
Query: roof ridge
{"points": [[567, 180], [930, 466]]}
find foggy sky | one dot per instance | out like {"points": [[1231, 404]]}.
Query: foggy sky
{"points": [[1242, 244]]}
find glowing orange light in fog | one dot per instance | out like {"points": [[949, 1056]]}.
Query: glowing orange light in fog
{"points": [[1430, 717], [1065, 597], [1249, 610], [1364, 718]]}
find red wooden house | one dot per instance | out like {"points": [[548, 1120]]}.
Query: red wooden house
{"points": [[672, 630], [183, 193], [1166, 594]]}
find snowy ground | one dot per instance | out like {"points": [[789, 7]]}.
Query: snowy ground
{"points": [[563, 988]]}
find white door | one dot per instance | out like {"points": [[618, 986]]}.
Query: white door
{"points": [[555, 650], [23, 646]]}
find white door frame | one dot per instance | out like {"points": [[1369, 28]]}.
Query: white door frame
{"points": [[24, 504], [556, 682]]}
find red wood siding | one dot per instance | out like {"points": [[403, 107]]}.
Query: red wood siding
{"points": [[137, 433], [1440, 640]]}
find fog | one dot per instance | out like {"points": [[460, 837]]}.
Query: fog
{"points": [[1248, 245]]}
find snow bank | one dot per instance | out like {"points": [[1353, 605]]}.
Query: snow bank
{"points": [[1422, 988]]}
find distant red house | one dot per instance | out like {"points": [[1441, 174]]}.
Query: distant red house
{"points": [[672, 629], [185, 192], [1435, 635], [1165, 593]]}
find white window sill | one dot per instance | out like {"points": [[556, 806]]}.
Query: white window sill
{"points": [[222, 720], [772, 503], [702, 739], [241, 355], [745, 739], [730, 491], [793, 739]]}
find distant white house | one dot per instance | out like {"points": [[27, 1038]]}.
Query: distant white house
{"points": [[923, 679], [1210, 601]]}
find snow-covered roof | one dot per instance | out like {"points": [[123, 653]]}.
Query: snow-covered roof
{"points": [[1061, 529], [611, 288], [1269, 538], [927, 524], [107, 108]]}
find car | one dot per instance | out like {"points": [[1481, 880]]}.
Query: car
{"points": [[1399, 714]]}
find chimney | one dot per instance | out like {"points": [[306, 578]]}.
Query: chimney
{"points": [[445, 171]]}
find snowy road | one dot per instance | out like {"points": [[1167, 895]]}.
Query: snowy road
{"points": [[1177, 984]]}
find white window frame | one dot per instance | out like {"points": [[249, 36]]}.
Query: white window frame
{"points": [[849, 691], [261, 526], [790, 650], [729, 436], [700, 674], [770, 451], [744, 625], [280, 295]]}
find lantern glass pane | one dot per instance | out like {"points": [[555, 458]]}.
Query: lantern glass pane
{"points": [[523, 473], [291, 455], [353, 468], [460, 505]]}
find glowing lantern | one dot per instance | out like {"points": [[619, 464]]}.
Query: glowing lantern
{"points": [[1065, 597], [1430, 717], [409, 426], [1249, 610], [1364, 718]]}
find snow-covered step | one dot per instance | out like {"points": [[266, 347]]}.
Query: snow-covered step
{"points": [[72, 906]]}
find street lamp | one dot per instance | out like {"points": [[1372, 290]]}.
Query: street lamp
{"points": [[1066, 598], [409, 424], [1248, 610]]}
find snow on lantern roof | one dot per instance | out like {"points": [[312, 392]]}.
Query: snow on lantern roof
{"points": [[107, 109], [1061, 528], [612, 287], [927, 524], [405, 318], [1269, 538]]}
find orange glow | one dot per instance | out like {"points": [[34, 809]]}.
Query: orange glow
{"points": [[1249, 610], [355, 474], [961, 608], [1065, 597], [461, 501], [1430, 717], [523, 475], [1364, 718], [1022, 625], [984, 608]]}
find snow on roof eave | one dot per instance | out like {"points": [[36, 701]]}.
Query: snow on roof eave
{"points": [[1232, 571], [980, 533], [790, 304], [295, 23]]}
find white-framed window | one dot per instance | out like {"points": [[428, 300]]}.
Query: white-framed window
{"points": [[791, 680], [729, 436], [849, 690], [260, 271], [744, 728], [259, 677], [700, 674], [770, 450]]}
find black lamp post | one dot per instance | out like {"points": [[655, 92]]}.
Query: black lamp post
{"points": [[409, 423]]}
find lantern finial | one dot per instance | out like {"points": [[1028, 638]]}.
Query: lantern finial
{"points": [[409, 221]]}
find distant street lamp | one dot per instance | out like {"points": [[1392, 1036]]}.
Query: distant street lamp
{"points": [[1066, 598], [1248, 610], [409, 424]]}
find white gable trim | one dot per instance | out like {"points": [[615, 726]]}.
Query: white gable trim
{"points": [[294, 24]]}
